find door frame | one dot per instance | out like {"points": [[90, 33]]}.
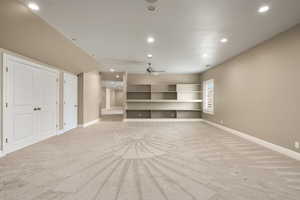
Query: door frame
{"points": [[6, 103]]}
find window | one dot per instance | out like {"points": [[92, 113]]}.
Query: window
{"points": [[208, 96]]}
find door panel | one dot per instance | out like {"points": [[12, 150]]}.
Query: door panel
{"points": [[70, 101], [21, 95], [23, 127], [48, 103]]}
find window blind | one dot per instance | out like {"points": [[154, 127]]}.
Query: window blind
{"points": [[208, 98]]}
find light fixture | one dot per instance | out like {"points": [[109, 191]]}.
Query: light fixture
{"points": [[224, 40], [150, 40], [112, 70], [118, 76], [205, 55], [150, 56], [264, 9], [33, 6]]}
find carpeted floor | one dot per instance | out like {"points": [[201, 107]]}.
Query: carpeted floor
{"points": [[148, 161]]}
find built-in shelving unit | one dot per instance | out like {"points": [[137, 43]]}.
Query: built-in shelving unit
{"points": [[168, 101]]}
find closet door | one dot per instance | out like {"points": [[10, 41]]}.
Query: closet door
{"points": [[70, 101], [47, 105], [22, 104], [29, 100]]}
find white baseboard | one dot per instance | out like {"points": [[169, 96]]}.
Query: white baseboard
{"points": [[2, 154], [89, 123], [163, 120], [63, 131], [274, 147], [60, 132]]}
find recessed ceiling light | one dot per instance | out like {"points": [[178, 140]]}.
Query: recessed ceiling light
{"points": [[118, 76], [112, 70], [205, 55], [150, 40], [224, 40], [151, 1], [149, 55], [33, 6], [264, 9]]}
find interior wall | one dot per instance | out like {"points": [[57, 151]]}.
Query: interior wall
{"points": [[257, 92], [163, 78], [27, 34], [89, 88]]}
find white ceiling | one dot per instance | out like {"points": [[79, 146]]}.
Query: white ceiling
{"points": [[116, 30]]}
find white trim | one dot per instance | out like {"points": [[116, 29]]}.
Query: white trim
{"points": [[274, 147], [2, 154], [163, 120], [89, 123], [61, 131]]}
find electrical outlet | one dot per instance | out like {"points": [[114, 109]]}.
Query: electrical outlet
{"points": [[297, 145]]}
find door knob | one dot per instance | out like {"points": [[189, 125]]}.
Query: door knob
{"points": [[35, 109]]}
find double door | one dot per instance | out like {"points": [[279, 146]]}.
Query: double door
{"points": [[31, 103]]}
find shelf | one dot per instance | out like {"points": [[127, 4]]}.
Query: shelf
{"points": [[164, 91], [162, 101], [138, 109], [189, 91], [138, 91], [151, 91]]}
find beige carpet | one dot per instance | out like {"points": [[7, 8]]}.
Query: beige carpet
{"points": [[148, 161]]}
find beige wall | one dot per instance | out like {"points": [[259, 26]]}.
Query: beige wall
{"points": [[89, 92], [163, 78], [27, 34], [258, 92]]}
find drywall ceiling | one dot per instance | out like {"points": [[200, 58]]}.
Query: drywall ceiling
{"points": [[115, 31]]}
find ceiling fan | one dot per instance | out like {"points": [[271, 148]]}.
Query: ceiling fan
{"points": [[152, 71]]}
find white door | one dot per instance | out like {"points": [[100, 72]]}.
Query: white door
{"points": [[47, 104], [25, 118], [70, 101]]}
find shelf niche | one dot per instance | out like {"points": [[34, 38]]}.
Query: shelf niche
{"points": [[169, 101]]}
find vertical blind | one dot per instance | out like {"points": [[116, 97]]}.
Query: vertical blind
{"points": [[208, 96]]}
